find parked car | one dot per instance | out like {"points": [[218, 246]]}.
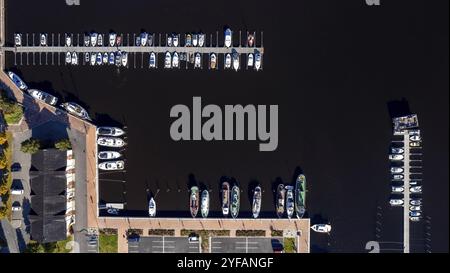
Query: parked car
{"points": [[16, 207]]}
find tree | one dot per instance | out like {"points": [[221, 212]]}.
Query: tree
{"points": [[30, 146], [3, 138], [3, 188], [3, 161], [63, 144], [3, 212]]}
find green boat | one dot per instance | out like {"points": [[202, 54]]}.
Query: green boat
{"points": [[235, 200], [300, 195]]}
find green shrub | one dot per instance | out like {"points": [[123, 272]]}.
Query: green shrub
{"points": [[63, 144], [30, 146]]}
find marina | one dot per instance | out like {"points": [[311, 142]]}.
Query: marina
{"points": [[51, 48]]}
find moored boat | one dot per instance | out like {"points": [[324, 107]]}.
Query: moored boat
{"points": [[43, 39], [228, 37], [250, 60], [111, 58], [194, 39], [225, 198], [110, 131], [300, 195], [228, 61], [17, 81], [87, 39], [43, 96], [250, 40], [100, 40], [94, 37], [124, 59], [75, 109], [68, 40], [137, 41], [201, 39], [111, 142], [17, 39], [175, 60], [256, 206], [87, 57], [119, 40], [193, 201], [236, 61], [321, 228], [198, 60], [119, 58], [105, 58], [257, 61], [112, 39], [168, 60], [99, 58], [93, 58], [144, 38], [112, 165], [188, 40], [152, 60], [235, 201], [175, 40], [280, 199], [204, 205], [74, 58], [68, 58], [107, 155], [152, 207], [213, 61], [289, 201]]}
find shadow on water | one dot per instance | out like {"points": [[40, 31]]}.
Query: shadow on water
{"points": [[274, 188], [192, 181], [398, 108], [297, 171], [103, 119]]}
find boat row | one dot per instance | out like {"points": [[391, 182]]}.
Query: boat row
{"points": [[112, 39], [71, 107], [109, 137], [291, 199], [119, 58]]}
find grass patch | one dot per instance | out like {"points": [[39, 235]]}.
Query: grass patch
{"points": [[107, 242], [205, 234], [289, 245], [161, 232], [250, 233], [277, 233], [55, 247]]}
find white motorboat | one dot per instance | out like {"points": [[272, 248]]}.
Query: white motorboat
{"points": [[17, 39], [144, 38], [414, 144], [152, 60], [396, 202], [68, 58], [397, 150], [111, 142], [213, 61], [289, 201], [108, 155], [137, 41], [397, 176], [168, 60], [100, 40], [415, 213], [175, 60], [236, 61], [87, 57], [396, 170], [250, 60], [204, 205], [43, 96], [415, 208], [105, 58], [112, 39], [43, 39], [198, 60], [321, 228], [99, 60], [201, 39], [76, 110], [397, 189], [68, 40], [416, 202], [112, 211], [152, 207], [110, 131], [87, 39], [150, 40], [17, 81], [93, 58], [94, 37], [169, 41], [228, 61], [112, 165], [228, 37], [257, 61], [256, 205], [119, 58], [74, 58], [124, 59], [194, 40], [396, 157], [415, 138], [175, 40], [188, 40], [416, 189], [112, 58]]}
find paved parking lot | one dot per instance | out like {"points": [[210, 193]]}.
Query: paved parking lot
{"points": [[160, 244], [245, 244]]}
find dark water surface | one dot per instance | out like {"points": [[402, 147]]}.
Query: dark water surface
{"points": [[331, 66]]}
